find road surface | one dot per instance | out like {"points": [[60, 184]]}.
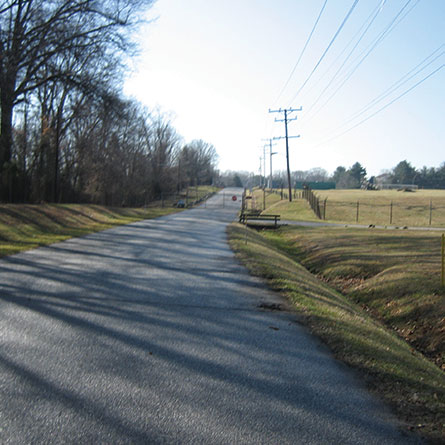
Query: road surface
{"points": [[152, 333]]}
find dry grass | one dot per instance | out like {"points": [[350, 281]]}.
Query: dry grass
{"points": [[397, 277], [374, 207], [298, 209], [24, 227], [369, 269]]}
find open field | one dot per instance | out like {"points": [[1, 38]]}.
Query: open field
{"points": [[385, 207], [421, 208], [26, 226], [374, 298]]}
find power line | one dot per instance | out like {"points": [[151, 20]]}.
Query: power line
{"points": [[369, 50], [374, 15], [396, 85], [376, 11], [327, 49], [384, 107], [302, 52]]}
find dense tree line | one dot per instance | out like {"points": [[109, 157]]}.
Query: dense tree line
{"points": [[349, 178], [426, 177], [356, 176], [67, 132]]}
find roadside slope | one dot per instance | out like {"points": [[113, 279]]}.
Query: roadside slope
{"points": [[27, 226], [412, 385]]}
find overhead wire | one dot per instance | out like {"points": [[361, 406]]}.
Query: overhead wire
{"points": [[374, 15], [348, 44], [302, 51], [382, 108], [394, 22], [408, 76], [327, 49]]}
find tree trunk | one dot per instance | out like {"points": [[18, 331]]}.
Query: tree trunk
{"points": [[5, 146]]}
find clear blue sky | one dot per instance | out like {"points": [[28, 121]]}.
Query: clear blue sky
{"points": [[218, 66]]}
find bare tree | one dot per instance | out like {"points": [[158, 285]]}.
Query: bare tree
{"points": [[36, 35], [198, 162]]}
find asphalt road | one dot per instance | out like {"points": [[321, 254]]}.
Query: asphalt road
{"points": [[151, 333]]}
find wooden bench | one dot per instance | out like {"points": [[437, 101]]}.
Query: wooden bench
{"points": [[245, 218], [248, 213]]}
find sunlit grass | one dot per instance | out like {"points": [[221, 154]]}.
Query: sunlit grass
{"points": [[384, 207], [24, 227], [411, 383]]}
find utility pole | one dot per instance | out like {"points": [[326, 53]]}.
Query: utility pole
{"points": [[286, 120], [263, 181], [264, 163], [270, 159], [261, 172]]}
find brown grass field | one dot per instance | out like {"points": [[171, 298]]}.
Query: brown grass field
{"points": [[374, 207], [421, 208]]}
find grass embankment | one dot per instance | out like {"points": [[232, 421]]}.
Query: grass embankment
{"points": [[384, 280], [24, 227], [298, 209], [394, 276]]}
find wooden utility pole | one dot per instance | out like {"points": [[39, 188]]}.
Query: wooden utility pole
{"points": [[286, 120], [271, 153]]}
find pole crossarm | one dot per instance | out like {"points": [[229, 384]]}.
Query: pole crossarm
{"points": [[286, 120], [284, 137], [289, 110]]}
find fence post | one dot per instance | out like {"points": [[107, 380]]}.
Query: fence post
{"points": [[442, 274], [264, 199], [431, 210], [390, 213], [358, 209], [324, 208]]}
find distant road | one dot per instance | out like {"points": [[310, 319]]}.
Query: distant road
{"points": [[152, 333]]}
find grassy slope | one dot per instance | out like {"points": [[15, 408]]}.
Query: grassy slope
{"points": [[24, 227], [396, 276], [298, 209], [413, 385]]}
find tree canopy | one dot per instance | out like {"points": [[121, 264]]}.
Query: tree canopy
{"points": [[67, 133]]}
